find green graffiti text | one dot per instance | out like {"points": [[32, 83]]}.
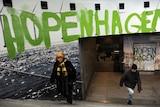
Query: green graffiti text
{"points": [[88, 22]]}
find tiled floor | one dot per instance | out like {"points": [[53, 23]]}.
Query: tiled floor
{"points": [[105, 88]]}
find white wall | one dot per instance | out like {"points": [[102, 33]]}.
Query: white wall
{"points": [[58, 6]]}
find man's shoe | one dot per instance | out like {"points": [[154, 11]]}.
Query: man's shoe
{"points": [[58, 96], [129, 102], [69, 100]]}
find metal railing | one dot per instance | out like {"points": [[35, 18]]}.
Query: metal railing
{"points": [[31, 74]]}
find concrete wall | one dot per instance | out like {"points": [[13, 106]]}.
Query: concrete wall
{"points": [[143, 50], [87, 62]]}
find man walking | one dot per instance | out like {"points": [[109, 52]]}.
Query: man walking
{"points": [[130, 78]]}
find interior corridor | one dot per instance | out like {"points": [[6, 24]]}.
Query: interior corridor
{"points": [[104, 88]]}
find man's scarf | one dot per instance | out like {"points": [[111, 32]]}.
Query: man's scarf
{"points": [[62, 68]]}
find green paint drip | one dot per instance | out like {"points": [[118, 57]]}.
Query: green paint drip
{"points": [[116, 22], [9, 40], [47, 28], [86, 23], [17, 28], [145, 21], [155, 19], [102, 22], [67, 25], [128, 20], [37, 40]]}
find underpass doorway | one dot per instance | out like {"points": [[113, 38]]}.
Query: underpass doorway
{"points": [[109, 52], [98, 55]]}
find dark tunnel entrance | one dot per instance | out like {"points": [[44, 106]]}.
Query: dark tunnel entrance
{"points": [[102, 54]]}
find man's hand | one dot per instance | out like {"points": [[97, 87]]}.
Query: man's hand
{"points": [[139, 90], [120, 85]]}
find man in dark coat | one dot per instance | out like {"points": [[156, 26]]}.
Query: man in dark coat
{"points": [[64, 74], [130, 79]]}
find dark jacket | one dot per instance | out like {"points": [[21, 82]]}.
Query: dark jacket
{"points": [[130, 79], [70, 69]]}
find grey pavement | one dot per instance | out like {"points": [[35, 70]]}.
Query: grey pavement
{"points": [[48, 103], [105, 88], [110, 95]]}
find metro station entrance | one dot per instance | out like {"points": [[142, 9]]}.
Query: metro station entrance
{"points": [[99, 55], [109, 51]]}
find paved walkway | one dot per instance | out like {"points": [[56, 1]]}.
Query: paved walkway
{"points": [[105, 88], [104, 92], [48, 103]]}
